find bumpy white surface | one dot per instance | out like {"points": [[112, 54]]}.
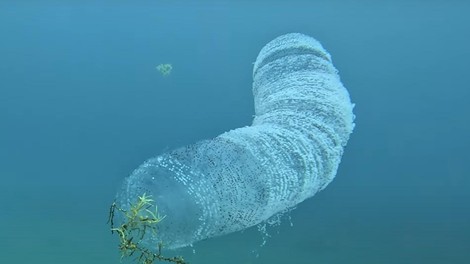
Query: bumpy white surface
{"points": [[303, 119]]}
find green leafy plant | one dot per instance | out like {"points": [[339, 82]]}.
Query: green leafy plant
{"points": [[141, 217]]}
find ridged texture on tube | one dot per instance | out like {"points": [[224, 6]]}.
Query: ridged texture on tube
{"points": [[303, 119]]}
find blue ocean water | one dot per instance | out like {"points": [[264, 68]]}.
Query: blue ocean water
{"points": [[82, 105]]}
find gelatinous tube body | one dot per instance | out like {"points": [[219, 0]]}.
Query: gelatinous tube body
{"points": [[303, 119]]}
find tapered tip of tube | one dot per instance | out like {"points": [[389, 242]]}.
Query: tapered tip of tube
{"points": [[291, 44]]}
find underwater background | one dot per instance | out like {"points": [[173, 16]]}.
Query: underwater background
{"points": [[82, 105]]}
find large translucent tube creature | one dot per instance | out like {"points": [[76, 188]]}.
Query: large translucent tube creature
{"points": [[303, 119]]}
